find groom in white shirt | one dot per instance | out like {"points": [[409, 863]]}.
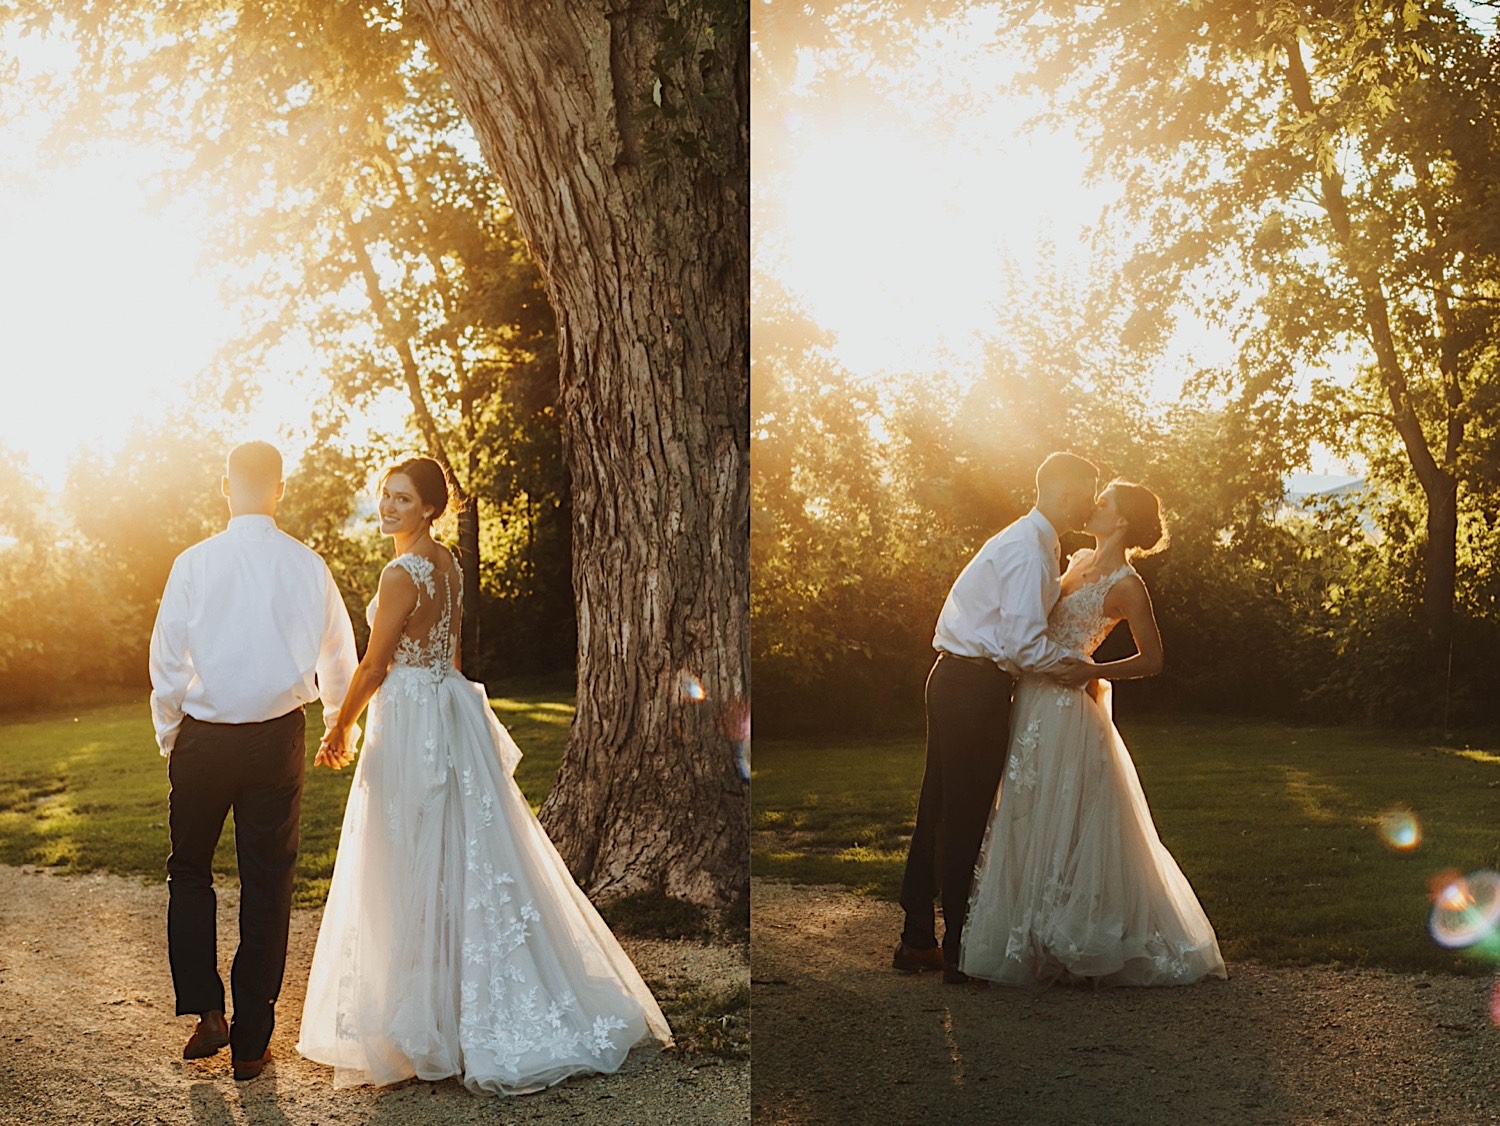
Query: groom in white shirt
{"points": [[993, 628], [251, 627]]}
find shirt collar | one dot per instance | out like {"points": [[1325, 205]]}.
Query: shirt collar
{"points": [[1045, 528], [253, 522]]}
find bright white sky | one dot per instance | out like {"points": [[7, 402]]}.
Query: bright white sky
{"points": [[909, 220], [109, 310], [104, 315]]}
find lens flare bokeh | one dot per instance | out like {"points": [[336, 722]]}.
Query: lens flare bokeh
{"points": [[1466, 909], [1400, 830], [691, 687]]}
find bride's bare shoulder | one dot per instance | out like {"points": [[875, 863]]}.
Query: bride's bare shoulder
{"points": [[449, 560], [1080, 558], [1127, 594]]}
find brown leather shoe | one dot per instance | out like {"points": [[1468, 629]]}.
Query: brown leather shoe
{"points": [[910, 960], [211, 1034], [249, 1069]]}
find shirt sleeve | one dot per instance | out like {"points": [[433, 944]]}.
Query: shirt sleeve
{"points": [[171, 659], [337, 656], [1022, 642]]}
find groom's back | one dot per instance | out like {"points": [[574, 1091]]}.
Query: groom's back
{"points": [[253, 612]]}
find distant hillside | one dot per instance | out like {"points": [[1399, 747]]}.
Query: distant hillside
{"points": [[1300, 486]]}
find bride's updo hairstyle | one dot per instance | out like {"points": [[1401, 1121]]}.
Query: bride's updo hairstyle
{"points": [[427, 477], [1141, 510]]}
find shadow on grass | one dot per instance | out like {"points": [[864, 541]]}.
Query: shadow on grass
{"points": [[87, 789], [1277, 828]]}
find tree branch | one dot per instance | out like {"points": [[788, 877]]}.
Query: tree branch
{"points": [[410, 372], [1377, 314]]}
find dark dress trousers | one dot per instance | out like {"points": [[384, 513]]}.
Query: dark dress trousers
{"points": [[968, 732], [254, 770]]}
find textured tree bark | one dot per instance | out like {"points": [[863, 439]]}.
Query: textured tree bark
{"points": [[639, 222]]}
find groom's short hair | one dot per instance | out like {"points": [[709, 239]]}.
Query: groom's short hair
{"points": [[255, 464], [1061, 470]]}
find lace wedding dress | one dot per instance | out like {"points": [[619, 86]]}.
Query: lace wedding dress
{"points": [[454, 941], [1072, 881]]}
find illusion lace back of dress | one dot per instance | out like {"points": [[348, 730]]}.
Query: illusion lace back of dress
{"points": [[428, 638], [1078, 620]]}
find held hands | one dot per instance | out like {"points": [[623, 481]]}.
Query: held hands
{"points": [[336, 749], [1074, 672]]}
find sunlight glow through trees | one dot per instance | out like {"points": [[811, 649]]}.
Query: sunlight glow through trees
{"points": [[112, 306]]}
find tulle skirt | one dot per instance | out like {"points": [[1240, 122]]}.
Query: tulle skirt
{"points": [[455, 942], [1073, 882]]}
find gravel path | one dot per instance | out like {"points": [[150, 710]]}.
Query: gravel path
{"points": [[843, 1039], [88, 1035]]}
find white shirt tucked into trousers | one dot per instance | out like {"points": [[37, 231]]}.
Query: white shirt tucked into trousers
{"points": [[251, 627]]}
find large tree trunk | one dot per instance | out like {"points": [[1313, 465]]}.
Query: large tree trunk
{"points": [[1439, 568], [638, 216]]}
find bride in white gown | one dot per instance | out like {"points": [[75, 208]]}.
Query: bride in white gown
{"points": [[454, 941], [1073, 883]]}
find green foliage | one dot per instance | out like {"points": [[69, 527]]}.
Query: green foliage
{"points": [[80, 586], [142, 505], [1333, 170], [355, 221], [527, 615], [1276, 827], [87, 789], [832, 561], [318, 507], [1274, 214]]}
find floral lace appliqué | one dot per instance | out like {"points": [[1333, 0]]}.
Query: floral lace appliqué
{"points": [[1021, 770], [420, 570], [433, 653], [1078, 620], [1170, 960], [514, 1023]]}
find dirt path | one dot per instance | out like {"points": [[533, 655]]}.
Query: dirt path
{"points": [[841, 1038], [88, 1035]]}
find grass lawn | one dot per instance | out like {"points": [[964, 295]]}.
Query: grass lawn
{"points": [[87, 789], [1277, 828]]}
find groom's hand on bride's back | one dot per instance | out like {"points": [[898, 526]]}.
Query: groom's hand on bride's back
{"points": [[1074, 672]]}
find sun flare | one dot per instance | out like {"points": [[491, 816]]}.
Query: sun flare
{"points": [[906, 244], [911, 227], [105, 313]]}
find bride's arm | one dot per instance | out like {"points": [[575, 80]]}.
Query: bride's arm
{"points": [[395, 602], [1128, 599]]}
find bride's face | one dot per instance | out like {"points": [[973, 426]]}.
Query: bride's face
{"points": [[1105, 520], [401, 508]]}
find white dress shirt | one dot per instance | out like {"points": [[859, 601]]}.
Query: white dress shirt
{"points": [[249, 618], [999, 603]]}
